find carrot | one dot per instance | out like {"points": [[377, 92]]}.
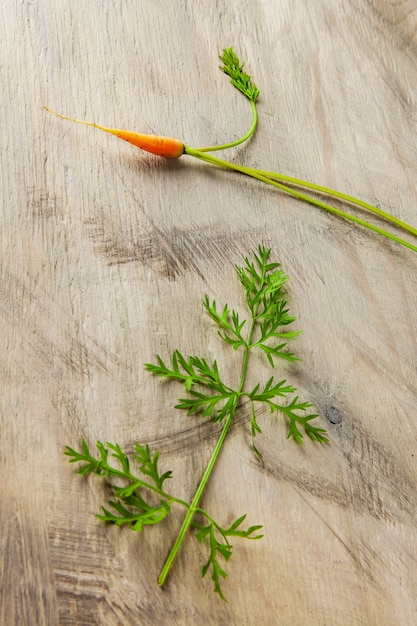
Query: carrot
{"points": [[167, 147]]}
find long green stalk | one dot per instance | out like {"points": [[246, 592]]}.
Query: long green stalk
{"points": [[272, 178], [194, 504], [343, 196], [197, 497]]}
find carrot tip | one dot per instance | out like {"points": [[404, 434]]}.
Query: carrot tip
{"points": [[167, 147]]}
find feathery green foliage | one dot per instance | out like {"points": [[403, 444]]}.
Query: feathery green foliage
{"points": [[142, 499], [239, 79]]}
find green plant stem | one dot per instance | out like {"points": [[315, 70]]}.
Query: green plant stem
{"points": [[343, 196], [272, 178], [193, 508], [141, 483], [250, 132]]}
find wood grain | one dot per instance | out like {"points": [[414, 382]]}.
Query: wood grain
{"points": [[105, 254]]}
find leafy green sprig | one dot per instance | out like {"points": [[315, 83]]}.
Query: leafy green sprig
{"points": [[207, 535], [140, 512], [142, 500], [239, 79]]}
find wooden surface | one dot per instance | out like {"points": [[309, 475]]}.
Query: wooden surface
{"points": [[106, 253]]}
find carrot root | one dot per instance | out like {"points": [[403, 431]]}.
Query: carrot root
{"points": [[167, 147]]}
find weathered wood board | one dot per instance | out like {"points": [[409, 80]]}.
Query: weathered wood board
{"points": [[105, 254]]}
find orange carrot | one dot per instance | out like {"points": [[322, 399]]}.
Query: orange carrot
{"points": [[167, 147]]}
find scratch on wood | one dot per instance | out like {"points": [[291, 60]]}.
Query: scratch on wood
{"points": [[170, 251]]}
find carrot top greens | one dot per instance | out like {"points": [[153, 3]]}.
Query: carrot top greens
{"points": [[207, 395]]}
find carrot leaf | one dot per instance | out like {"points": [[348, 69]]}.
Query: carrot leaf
{"points": [[140, 500], [239, 79]]}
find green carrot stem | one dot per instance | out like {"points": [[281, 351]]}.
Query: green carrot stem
{"points": [[272, 178], [343, 196], [250, 132], [193, 508], [194, 504]]}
